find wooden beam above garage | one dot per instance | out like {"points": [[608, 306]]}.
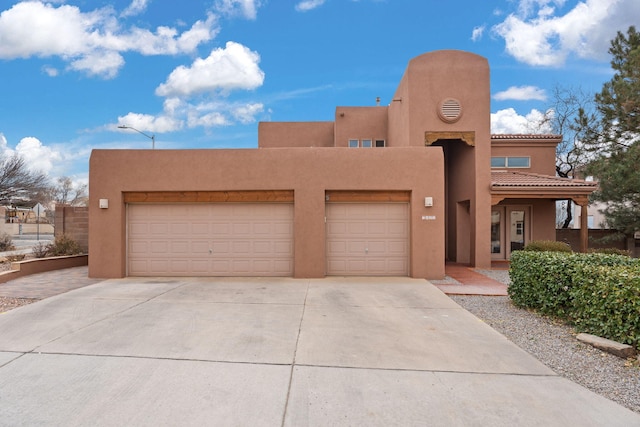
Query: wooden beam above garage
{"points": [[337, 196], [273, 196]]}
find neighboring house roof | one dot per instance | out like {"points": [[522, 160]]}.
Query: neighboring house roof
{"points": [[521, 185], [525, 136]]}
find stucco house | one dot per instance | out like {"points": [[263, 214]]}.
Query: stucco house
{"points": [[381, 190]]}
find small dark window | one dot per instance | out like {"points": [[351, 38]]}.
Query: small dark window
{"points": [[379, 142]]}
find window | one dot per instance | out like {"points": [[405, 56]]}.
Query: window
{"points": [[517, 162], [498, 162], [366, 143], [510, 162]]}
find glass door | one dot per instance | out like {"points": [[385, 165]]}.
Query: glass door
{"points": [[517, 229], [497, 236], [510, 230]]}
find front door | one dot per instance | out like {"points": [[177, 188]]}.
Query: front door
{"points": [[510, 230]]}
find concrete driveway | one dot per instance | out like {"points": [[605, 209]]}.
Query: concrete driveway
{"points": [[272, 352]]}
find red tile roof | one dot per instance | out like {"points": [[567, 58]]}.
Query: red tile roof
{"points": [[505, 178], [525, 136]]}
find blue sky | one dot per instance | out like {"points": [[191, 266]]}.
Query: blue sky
{"points": [[202, 74]]}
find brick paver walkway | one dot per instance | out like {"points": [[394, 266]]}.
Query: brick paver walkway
{"points": [[462, 280], [465, 281], [45, 285]]}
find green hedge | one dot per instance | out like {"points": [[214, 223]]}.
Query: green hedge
{"points": [[607, 303], [597, 292]]}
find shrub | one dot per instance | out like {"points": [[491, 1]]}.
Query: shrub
{"points": [[599, 293], [15, 258], [607, 303], [611, 251], [6, 243], [543, 280], [40, 250], [547, 246], [63, 245]]}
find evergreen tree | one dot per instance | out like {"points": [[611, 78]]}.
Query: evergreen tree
{"points": [[616, 140]]}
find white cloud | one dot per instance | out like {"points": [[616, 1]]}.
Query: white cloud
{"points": [[50, 71], [214, 119], [148, 123], [246, 8], [477, 33], [178, 114], [247, 113], [306, 5], [224, 70], [135, 8], [521, 93], [508, 121], [539, 35], [93, 41], [37, 156], [234, 67], [104, 64]]}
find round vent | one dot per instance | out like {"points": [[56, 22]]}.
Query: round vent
{"points": [[450, 110]]}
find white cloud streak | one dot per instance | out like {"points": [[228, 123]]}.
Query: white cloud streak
{"points": [[477, 33], [307, 5], [521, 93], [248, 9], [135, 8]]}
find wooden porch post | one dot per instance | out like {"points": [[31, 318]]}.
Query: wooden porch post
{"points": [[584, 227]]}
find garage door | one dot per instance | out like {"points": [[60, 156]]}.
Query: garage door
{"points": [[368, 239], [210, 239]]}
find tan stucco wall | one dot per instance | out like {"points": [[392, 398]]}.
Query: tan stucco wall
{"points": [[544, 219], [360, 123], [309, 172], [542, 154], [430, 79], [295, 134]]}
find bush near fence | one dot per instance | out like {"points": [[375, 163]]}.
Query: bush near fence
{"points": [[598, 293]]}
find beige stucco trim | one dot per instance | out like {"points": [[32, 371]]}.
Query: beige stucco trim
{"points": [[468, 137]]}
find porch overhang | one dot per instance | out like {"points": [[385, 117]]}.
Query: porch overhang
{"points": [[521, 185]]}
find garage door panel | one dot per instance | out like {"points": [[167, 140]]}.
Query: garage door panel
{"points": [[367, 238], [197, 247], [210, 239], [219, 229], [158, 228]]}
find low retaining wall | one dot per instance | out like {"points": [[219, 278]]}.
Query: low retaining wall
{"points": [[42, 265]]}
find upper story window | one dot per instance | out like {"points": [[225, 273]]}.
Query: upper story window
{"points": [[366, 143], [510, 162]]}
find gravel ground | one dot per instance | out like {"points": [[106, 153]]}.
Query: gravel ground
{"points": [[7, 303], [555, 345]]}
